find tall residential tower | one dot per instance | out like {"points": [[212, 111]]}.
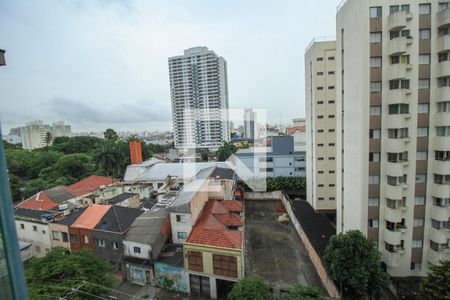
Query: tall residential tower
{"points": [[320, 99], [393, 128], [199, 92]]}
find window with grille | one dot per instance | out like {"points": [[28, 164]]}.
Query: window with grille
{"points": [[225, 265], [195, 261]]}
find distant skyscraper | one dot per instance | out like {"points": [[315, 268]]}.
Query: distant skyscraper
{"points": [[199, 92], [249, 124], [34, 134]]}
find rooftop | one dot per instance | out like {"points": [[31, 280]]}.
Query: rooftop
{"points": [[89, 184], [32, 213], [118, 219], [70, 219], [211, 227], [172, 255], [91, 216], [39, 201], [119, 198]]}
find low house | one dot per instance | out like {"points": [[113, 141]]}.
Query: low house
{"points": [[32, 227], [47, 199], [143, 243], [125, 200], [169, 269], [213, 254], [110, 231], [81, 231], [88, 185], [59, 229]]}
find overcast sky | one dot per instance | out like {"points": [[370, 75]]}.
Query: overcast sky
{"points": [[99, 64]]}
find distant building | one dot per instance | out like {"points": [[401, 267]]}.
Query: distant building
{"points": [[299, 125], [280, 159], [34, 134], [60, 129], [12, 139], [198, 81], [14, 131], [250, 126]]}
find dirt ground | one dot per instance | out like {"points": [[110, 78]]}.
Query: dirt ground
{"points": [[274, 250]]}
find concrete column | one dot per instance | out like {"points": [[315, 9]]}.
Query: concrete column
{"points": [[213, 288]]}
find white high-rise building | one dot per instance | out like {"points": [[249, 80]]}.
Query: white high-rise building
{"points": [[250, 125], [34, 135], [60, 129], [320, 99], [199, 93], [393, 128]]}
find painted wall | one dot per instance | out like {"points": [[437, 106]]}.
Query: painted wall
{"points": [[128, 247], [60, 229], [40, 239], [180, 226], [171, 277], [108, 252], [81, 233]]}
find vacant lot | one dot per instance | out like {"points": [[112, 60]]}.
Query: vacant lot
{"points": [[274, 251]]}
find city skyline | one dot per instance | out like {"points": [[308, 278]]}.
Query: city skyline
{"points": [[115, 58]]}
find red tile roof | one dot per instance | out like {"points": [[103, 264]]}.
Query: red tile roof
{"points": [[39, 201], [232, 205], [89, 184], [91, 216], [211, 227]]}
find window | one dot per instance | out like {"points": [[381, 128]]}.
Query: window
{"points": [[442, 155], [299, 169], [424, 84], [421, 155], [374, 156], [300, 158], [181, 218], [396, 34], [422, 131], [115, 245], [330, 72], [441, 179], [320, 59], [320, 185], [375, 62], [418, 222], [55, 235], [399, 84], [225, 265], [375, 11], [195, 261], [22, 226], [34, 228], [375, 37], [397, 157], [443, 202], [421, 178], [331, 87], [375, 133], [44, 232], [396, 181], [423, 108], [375, 110], [398, 133], [182, 235], [320, 130], [330, 158], [443, 130], [319, 73], [397, 8], [417, 244], [443, 5], [261, 159], [395, 109], [424, 34], [321, 198], [443, 106], [86, 239], [136, 249], [331, 198], [442, 56], [330, 57], [73, 238], [373, 223], [330, 144], [320, 88], [374, 179], [331, 117], [419, 200], [424, 59], [266, 169], [443, 81], [424, 9], [101, 243], [319, 102], [331, 172], [375, 86], [330, 130], [320, 145], [374, 201], [65, 237]]}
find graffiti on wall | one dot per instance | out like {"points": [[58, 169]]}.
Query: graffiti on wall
{"points": [[171, 278]]}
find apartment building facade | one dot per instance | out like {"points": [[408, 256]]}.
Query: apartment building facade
{"points": [[320, 99], [393, 122], [199, 93], [34, 134]]}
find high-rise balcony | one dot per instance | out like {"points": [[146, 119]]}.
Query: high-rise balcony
{"points": [[439, 236], [398, 20], [443, 18], [396, 169], [443, 68], [441, 166], [396, 191], [443, 43], [399, 45], [441, 119], [399, 96], [442, 93], [441, 142], [440, 213], [441, 190], [398, 120], [392, 236], [435, 257], [398, 71], [392, 258], [394, 215], [397, 145]]}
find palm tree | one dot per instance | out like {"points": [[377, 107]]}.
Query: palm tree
{"points": [[48, 139], [106, 160]]}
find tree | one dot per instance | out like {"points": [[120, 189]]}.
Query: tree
{"points": [[225, 151], [436, 285], [48, 139], [110, 134], [354, 264], [110, 159], [301, 292], [55, 274], [76, 166], [249, 288]]}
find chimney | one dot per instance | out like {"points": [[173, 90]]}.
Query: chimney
{"points": [[135, 152]]}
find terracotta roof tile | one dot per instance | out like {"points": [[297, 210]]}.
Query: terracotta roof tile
{"points": [[89, 184], [91, 216], [211, 227], [39, 201], [232, 205]]}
